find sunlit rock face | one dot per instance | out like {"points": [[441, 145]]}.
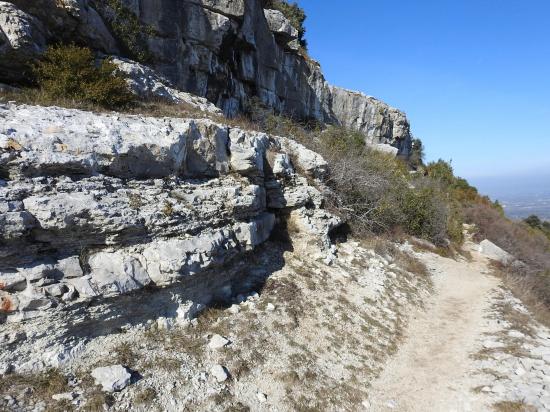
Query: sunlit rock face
{"points": [[100, 205], [227, 51]]}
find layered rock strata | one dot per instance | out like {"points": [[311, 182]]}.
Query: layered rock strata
{"points": [[99, 205]]}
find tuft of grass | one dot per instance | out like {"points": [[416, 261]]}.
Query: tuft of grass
{"points": [[410, 263], [42, 386], [96, 401], [513, 406], [168, 209], [125, 355], [146, 396]]}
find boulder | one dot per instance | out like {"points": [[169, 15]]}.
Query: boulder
{"points": [[219, 373], [112, 378], [12, 282], [117, 273], [492, 251], [218, 342]]}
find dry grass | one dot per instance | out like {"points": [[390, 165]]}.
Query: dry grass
{"points": [[518, 320], [530, 281], [96, 400], [410, 264], [150, 108], [40, 387], [124, 354], [510, 406], [146, 396], [385, 247], [525, 289]]}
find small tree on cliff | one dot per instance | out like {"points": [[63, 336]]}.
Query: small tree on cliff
{"points": [[417, 154], [294, 13]]}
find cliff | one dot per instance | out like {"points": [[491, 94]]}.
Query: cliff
{"points": [[101, 205], [227, 51]]}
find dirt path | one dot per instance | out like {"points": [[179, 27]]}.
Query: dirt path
{"points": [[432, 369]]}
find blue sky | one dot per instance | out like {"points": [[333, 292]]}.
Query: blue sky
{"points": [[473, 76]]}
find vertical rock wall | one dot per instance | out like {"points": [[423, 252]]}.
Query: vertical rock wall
{"points": [[225, 50]]}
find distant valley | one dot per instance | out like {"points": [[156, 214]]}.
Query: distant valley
{"points": [[521, 196]]}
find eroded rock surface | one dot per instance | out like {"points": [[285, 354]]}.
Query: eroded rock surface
{"points": [[94, 206]]}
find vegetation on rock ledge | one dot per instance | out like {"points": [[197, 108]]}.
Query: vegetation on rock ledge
{"points": [[71, 72], [128, 29], [294, 13]]}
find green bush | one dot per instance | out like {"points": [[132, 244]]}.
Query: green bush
{"points": [[128, 29], [441, 171], [294, 13], [71, 72], [416, 159], [533, 221]]}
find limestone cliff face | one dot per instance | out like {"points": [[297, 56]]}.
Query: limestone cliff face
{"points": [[225, 50]]}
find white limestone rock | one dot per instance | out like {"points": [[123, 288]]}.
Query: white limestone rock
{"points": [[66, 396], [282, 166], [22, 37], [11, 282], [279, 24], [218, 342], [380, 123], [116, 202], [492, 251], [148, 84], [219, 373], [117, 273], [234, 8], [112, 378]]}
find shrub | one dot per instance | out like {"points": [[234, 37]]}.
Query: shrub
{"points": [[71, 72], [533, 221], [441, 171], [294, 13], [416, 159], [128, 29]]}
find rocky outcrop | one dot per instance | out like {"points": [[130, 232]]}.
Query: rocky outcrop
{"points": [[226, 51], [381, 124], [148, 85], [96, 206]]}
